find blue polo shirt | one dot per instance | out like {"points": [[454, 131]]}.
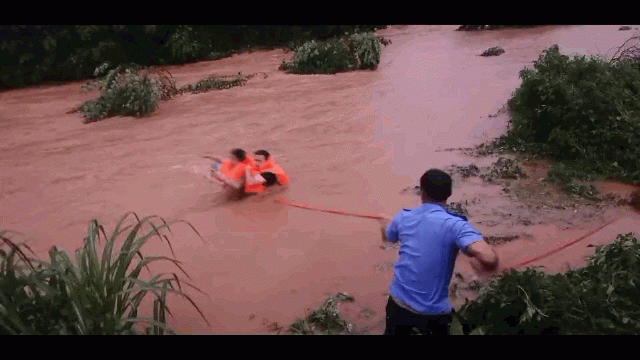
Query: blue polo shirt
{"points": [[430, 237]]}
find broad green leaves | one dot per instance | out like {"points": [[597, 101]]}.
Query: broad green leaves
{"points": [[600, 298], [582, 109]]}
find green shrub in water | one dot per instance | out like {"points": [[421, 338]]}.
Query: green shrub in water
{"points": [[356, 51], [323, 57], [367, 48], [126, 90]]}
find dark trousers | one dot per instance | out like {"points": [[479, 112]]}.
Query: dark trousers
{"points": [[401, 321]]}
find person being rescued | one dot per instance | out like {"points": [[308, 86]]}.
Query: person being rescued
{"points": [[244, 175], [265, 173], [231, 172]]}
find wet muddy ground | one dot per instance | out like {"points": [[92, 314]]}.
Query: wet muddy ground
{"points": [[352, 141]]}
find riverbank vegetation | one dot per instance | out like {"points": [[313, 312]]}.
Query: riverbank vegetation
{"points": [[102, 292], [583, 113], [33, 54], [598, 299]]}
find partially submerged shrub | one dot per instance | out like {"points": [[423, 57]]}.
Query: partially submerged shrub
{"points": [[367, 48], [126, 90], [358, 51], [598, 299], [325, 57], [134, 90]]}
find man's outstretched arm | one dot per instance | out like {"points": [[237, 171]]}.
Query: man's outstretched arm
{"points": [[389, 237]]}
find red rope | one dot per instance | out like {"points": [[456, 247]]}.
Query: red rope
{"points": [[382, 216], [558, 248], [336, 211]]}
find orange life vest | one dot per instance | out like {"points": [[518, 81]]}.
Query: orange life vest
{"points": [[269, 166], [236, 171]]}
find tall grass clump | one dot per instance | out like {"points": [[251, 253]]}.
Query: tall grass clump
{"points": [[356, 51], [579, 109], [126, 90], [99, 293], [598, 299]]}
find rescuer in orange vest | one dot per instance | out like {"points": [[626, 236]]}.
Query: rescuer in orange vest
{"points": [[265, 173]]}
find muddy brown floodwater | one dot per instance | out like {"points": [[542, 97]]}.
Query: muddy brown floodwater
{"points": [[349, 141]]}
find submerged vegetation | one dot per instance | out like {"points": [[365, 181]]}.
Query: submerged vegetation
{"points": [[326, 319], [102, 292], [135, 90], [126, 90], [491, 27], [502, 169]]}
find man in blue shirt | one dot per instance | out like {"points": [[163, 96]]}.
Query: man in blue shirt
{"points": [[430, 237]]}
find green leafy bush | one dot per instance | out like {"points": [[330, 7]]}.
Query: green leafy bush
{"points": [[598, 299], [573, 179], [187, 44], [100, 293], [126, 90], [356, 51], [581, 109], [367, 48], [323, 57]]}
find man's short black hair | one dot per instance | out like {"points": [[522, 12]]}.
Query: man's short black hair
{"points": [[240, 154], [436, 184], [264, 153], [269, 177]]}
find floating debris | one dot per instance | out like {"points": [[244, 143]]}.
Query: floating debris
{"points": [[497, 240], [494, 51]]}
